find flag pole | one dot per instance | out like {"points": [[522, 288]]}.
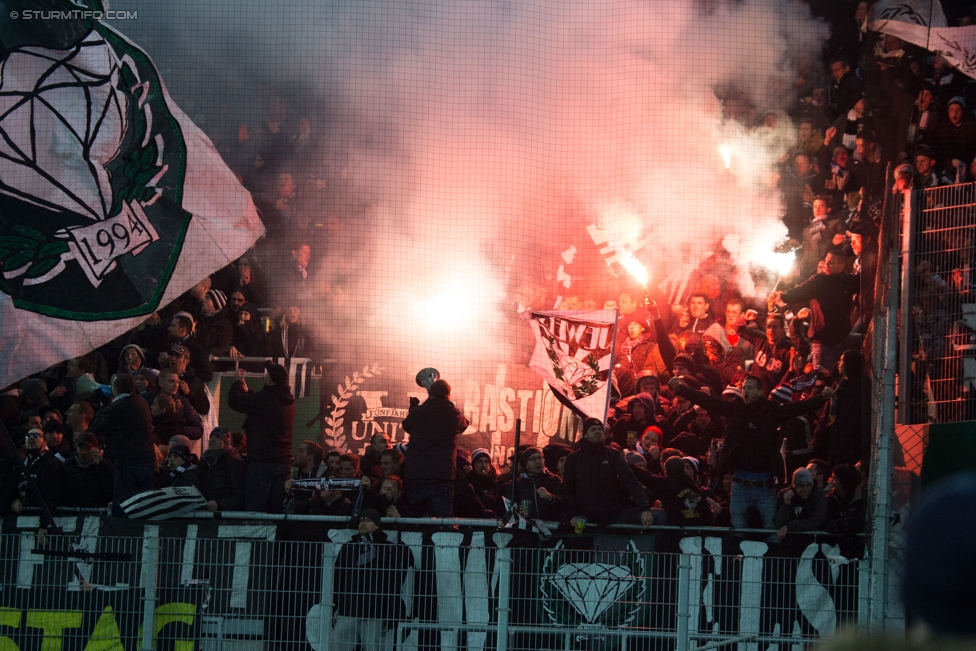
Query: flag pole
{"points": [[515, 457], [613, 353]]}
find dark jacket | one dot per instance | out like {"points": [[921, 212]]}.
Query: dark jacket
{"points": [[597, 483], [369, 575], [750, 431], [185, 421], [369, 465], [269, 423], [215, 333], [770, 362], [222, 479], [683, 500], [801, 515], [434, 427], [831, 301], [87, 486], [526, 486], [126, 426], [46, 470], [182, 476]]}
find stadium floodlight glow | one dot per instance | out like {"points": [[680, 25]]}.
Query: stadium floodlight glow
{"points": [[725, 151]]}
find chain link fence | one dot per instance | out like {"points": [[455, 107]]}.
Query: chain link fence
{"points": [[243, 590]]}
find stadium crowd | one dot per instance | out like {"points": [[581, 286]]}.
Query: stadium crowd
{"points": [[726, 411]]}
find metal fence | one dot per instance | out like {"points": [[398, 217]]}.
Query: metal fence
{"points": [[938, 372], [242, 590]]}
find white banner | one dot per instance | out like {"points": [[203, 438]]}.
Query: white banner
{"points": [[574, 354], [112, 202]]}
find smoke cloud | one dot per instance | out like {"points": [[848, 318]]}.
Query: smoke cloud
{"points": [[464, 145]]}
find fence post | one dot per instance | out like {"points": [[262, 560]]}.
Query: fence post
{"points": [[325, 599], [912, 202], [150, 559], [863, 594], [504, 559], [684, 591]]}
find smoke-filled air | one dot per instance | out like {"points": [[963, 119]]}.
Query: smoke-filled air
{"points": [[463, 148]]}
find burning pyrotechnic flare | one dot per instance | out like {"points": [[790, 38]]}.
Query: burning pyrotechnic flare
{"points": [[725, 151], [636, 269], [782, 263]]}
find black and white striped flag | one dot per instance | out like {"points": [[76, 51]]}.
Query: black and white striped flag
{"points": [[515, 520], [299, 374], [163, 504]]}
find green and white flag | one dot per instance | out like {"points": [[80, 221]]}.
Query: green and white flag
{"points": [[112, 202]]}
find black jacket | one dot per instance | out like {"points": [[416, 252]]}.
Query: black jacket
{"points": [[222, 479], [269, 423], [434, 427], [87, 486], [750, 432], [831, 301], [369, 575], [597, 483], [526, 486], [126, 426]]}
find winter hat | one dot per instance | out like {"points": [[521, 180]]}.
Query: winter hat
{"points": [[480, 452], [693, 461], [218, 297], [277, 373], [644, 376], [802, 476], [527, 453], [373, 516], [590, 422], [179, 439], [940, 568], [685, 360], [181, 451], [782, 394], [732, 392], [957, 100], [553, 453], [88, 439]]}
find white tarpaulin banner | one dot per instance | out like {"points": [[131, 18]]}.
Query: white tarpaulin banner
{"points": [[922, 23], [574, 354]]}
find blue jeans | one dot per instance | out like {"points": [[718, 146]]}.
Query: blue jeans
{"points": [[129, 480], [763, 498], [264, 487], [429, 497]]}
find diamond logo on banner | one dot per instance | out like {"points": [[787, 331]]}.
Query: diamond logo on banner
{"points": [[579, 588], [591, 588]]}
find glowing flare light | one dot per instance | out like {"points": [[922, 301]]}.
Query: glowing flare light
{"points": [[781, 262], [725, 151], [636, 269]]}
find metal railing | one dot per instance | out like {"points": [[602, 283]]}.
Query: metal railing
{"points": [[235, 586]]}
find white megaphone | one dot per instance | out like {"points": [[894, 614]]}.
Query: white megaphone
{"points": [[86, 385], [427, 377]]}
